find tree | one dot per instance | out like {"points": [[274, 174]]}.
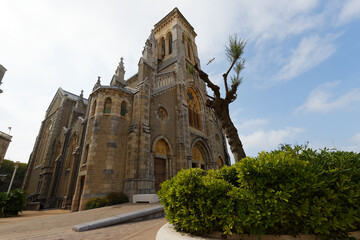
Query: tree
{"points": [[234, 52], [7, 168]]}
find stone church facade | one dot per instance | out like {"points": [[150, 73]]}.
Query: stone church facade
{"points": [[130, 135]]}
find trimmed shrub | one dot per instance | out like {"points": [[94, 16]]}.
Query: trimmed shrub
{"points": [[196, 203], [230, 174], [95, 203], [293, 190], [116, 198], [298, 190], [13, 203]]}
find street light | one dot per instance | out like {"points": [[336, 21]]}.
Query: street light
{"points": [[12, 178]]}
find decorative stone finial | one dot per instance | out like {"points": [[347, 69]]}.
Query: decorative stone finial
{"points": [[97, 84], [121, 64], [120, 71], [121, 67], [80, 103], [150, 49]]}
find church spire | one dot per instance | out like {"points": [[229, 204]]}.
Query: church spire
{"points": [[118, 77], [120, 71], [150, 49]]}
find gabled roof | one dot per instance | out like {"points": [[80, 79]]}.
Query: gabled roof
{"points": [[72, 96], [174, 12], [60, 93], [117, 81]]}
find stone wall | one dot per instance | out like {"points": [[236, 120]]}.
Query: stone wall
{"points": [[5, 140]]}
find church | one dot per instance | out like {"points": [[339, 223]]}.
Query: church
{"points": [[130, 135]]}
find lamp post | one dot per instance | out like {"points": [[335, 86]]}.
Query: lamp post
{"points": [[12, 178]]}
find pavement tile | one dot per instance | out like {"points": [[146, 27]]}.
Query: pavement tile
{"points": [[59, 226]]}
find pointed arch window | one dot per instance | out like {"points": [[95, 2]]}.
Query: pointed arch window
{"points": [[217, 138], [57, 153], [193, 109], [162, 48], [161, 147], [186, 45], [93, 108], [86, 153], [170, 43], [43, 144], [71, 150], [123, 109], [107, 105], [189, 48]]}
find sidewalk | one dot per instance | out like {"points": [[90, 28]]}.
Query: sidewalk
{"points": [[57, 224]]}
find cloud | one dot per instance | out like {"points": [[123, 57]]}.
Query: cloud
{"points": [[266, 20], [356, 138], [268, 140], [322, 100], [264, 24], [68, 44], [263, 140], [349, 11], [310, 52], [352, 148], [252, 123]]}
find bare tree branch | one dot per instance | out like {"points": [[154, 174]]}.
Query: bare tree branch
{"points": [[212, 98], [210, 103], [205, 78], [225, 75], [231, 95]]}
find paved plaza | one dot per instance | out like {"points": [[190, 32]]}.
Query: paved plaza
{"points": [[57, 224]]}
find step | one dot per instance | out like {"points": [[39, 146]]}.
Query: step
{"points": [[146, 213]]}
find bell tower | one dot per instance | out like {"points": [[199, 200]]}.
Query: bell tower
{"points": [[175, 38]]}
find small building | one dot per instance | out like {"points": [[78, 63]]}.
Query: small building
{"points": [[132, 134], [5, 140], [2, 73]]}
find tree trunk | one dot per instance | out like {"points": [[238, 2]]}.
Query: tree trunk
{"points": [[221, 108]]}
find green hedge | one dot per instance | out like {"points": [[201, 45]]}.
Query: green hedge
{"points": [[197, 203], [294, 190], [95, 203], [116, 198], [110, 199], [13, 203]]}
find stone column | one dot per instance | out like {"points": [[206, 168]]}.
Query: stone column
{"points": [[139, 163]]}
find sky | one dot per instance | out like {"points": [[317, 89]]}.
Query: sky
{"points": [[301, 82]]}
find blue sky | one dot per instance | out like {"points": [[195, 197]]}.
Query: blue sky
{"points": [[301, 81]]}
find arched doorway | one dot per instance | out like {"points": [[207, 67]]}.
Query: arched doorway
{"points": [[161, 152], [197, 158], [200, 155]]}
